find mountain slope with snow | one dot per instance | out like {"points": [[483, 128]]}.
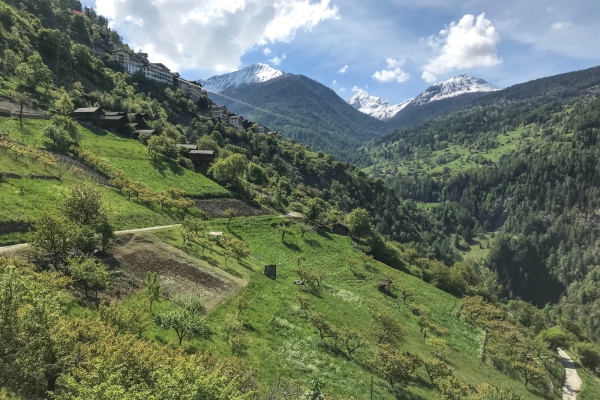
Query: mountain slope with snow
{"points": [[256, 73], [374, 106], [453, 87]]}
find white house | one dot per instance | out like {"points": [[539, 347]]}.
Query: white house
{"points": [[220, 112], [236, 121], [158, 72], [191, 89]]}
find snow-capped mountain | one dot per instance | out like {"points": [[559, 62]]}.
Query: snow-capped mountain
{"points": [[256, 73], [375, 106], [453, 87]]}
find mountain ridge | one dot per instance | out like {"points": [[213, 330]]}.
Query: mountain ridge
{"points": [[255, 73]]}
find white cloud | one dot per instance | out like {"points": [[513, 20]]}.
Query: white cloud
{"points": [[394, 72], [561, 24], [214, 34], [334, 83], [342, 90], [344, 69], [277, 60], [267, 51], [356, 89], [469, 43]]}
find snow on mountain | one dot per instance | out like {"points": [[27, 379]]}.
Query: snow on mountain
{"points": [[256, 73], [453, 87], [375, 106]]}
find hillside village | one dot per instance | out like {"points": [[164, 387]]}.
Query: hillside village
{"points": [[155, 245]]}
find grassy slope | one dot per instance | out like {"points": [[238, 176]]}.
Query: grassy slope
{"points": [[293, 350], [23, 199], [129, 155]]}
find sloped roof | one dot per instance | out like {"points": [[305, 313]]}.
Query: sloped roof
{"points": [[87, 110]]}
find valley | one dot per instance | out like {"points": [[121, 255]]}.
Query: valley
{"points": [[291, 246]]}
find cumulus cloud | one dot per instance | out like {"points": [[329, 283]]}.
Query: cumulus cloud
{"points": [[344, 69], [267, 51], [356, 89], [561, 25], [394, 72], [212, 34], [469, 43], [277, 60]]}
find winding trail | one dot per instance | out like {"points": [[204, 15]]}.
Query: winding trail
{"points": [[154, 228], [572, 383]]}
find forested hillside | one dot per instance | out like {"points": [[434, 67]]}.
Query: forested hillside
{"points": [[522, 163], [307, 112]]}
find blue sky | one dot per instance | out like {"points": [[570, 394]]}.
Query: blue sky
{"points": [[393, 49]]}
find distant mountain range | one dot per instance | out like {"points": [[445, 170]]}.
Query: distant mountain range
{"points": [[454, 87], [315, 115]]}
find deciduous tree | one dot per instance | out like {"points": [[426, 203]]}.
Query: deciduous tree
{"points": [[153, 288]]}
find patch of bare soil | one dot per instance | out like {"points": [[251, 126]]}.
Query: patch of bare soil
{"points": [[215, 207], [16, 108], [132, 256]]}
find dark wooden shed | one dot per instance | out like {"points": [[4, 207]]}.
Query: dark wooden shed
{"points": [[190, 147], [87, 115], [340, 229], [271, 271], [202, 157], [384, 285], [112, 122]]}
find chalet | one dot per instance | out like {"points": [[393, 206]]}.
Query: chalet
{"points": [[112, 122], [202, 157], [220, 112], [142, 131], [340, 229], [117, 114], [187, 146], [87, 116], [236, 121]]}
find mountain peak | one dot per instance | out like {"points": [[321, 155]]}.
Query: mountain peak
{"points": [[456, 86], [374, 106], [255, 73]]}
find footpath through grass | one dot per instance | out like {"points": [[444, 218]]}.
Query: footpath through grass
{"points": [[281, 343]]}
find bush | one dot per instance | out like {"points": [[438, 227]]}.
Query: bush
{"points": [[186, 163], [589, 354], [144, 137]]}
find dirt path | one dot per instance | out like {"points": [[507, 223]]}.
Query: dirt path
{"points": [[572, 383], [154, 228]]}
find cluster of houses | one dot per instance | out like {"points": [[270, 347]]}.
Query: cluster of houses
{"points": [[138, 62], [112, 120], [237, 121]]}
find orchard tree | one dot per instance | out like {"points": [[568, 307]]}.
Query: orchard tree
{"points": [[285, 230], [34, 73], [242, 303], [153, 288], [437, 347], [386, 329], [106, 232], [315, 207], [229, 169], [359, 223], [52, 237], [395, 366], [84, 205], [436, 368], [90, 272], [182, 322], [229, 214]]}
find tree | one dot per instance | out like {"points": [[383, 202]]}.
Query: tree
{"points": [[242, 303], [437, 369], [365, 258], [285, 230], [359, 223], [34, 72], [437, 347], [161, 144], [68, 124], [530, 372], [589, 354], [554, 337], [127, 319], [194, 224], [505, 391], [182, 322], [23, 100], [304, 301], [325, 328], [305, 229], [453, 389], [256, 174], [106, 232], [315, 208], [191, 303], [229, 214], [204, 243], [315, 391], [386, 329], [394, 366], [153, 288], [84, 205], [63, 104], [231, 325], [406, 293], [229, 169], [353, 341], [90, 272], [52, 236], [59, 137], [10, 61]]}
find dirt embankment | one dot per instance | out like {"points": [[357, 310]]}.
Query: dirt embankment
{"points": [[215, 207], [133, 255]]}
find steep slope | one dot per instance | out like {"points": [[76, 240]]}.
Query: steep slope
{"points": [[304, 110], [256, 73], [374, 106], [453, 87]]}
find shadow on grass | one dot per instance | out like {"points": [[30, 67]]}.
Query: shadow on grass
{"points": [[233, 272], [324, 235], [292, 246], [312, 242], [245, 265]]}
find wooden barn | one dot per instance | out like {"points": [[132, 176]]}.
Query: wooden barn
{"points": [[202, 157], [87, 116], [340, 229]]}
